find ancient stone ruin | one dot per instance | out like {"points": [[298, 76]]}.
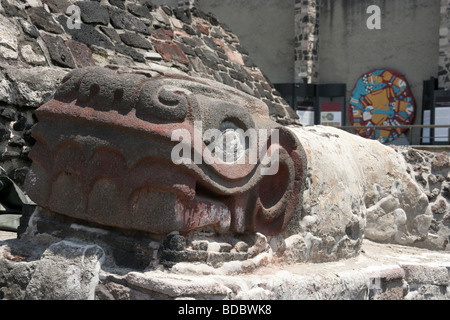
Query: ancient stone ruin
{"points": [[104, 148], [143, 187]]}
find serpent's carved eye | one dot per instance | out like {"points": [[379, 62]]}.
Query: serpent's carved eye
{"points": [[229, 131], [230, 144]]}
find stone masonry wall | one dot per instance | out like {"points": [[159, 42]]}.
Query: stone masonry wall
{"points": [[431, 171], [444, 45], [306, 40], [42, 40]]}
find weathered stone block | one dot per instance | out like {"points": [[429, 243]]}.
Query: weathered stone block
{"points": [[6, 94], [44, 20], [171, 52], [163, 34], [424, 274], [81, 53], [93, 12], [135, 40], [32, 55], [209, 58], [8, 40], [29, 28], [86, 34], [139, 10], [441, 161], [58, 6], [123, 20], [33, 87], [118, 3], [111, 33], [75, 268], [128, 51], [59, 53], [13, 8], [175, 286]]}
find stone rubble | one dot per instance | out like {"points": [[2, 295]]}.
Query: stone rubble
{"points": [[431, 172], [381, 272]]}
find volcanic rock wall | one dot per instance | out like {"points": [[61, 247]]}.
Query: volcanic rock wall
{"points": [[42, 40], [431, 172], [444, 45], [307, 40]]}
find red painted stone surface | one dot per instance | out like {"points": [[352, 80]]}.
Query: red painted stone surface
{"points": [[81, 53], [203, 28], [163, 34], [103, 154], [169, 51]]}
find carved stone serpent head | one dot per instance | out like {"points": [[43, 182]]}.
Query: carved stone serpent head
{"points": [[161, 152]]}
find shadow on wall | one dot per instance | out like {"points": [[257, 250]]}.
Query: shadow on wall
{"points": [[12, 203]]}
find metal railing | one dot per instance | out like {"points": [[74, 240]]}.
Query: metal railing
{"points": [[353, 129]]}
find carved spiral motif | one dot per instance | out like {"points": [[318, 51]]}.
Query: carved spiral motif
{"points": [[166, 102]]}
